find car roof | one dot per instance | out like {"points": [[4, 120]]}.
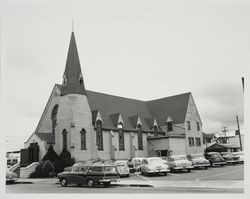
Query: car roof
{"points": [[150, 158], [178, 156], [196, 154], [138, 158], [212, 152]]}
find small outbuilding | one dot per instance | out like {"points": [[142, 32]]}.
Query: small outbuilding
{"points": [[218, 147]]}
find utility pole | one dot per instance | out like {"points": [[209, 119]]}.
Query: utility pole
{"points": [[242, 81], [239, 132]]}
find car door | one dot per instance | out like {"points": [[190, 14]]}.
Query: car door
{"points": [[81, 175], [143, 165]]}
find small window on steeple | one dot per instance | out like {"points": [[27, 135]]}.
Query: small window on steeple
{"points": [[80, 78], [64, 80]]}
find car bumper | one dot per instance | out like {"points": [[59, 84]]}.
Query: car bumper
{"points": [[11, 179], [110, 180], [159, 171], [201, 165], [183, 167], [232, 161], [219, 163]]}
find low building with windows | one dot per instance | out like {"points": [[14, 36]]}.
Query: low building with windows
{"points": [[96, 125]]}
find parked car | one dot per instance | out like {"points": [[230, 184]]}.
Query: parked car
{"points": [[240, 155], [11, 177], [122, 167], [230, 158], [198, 160], [215, 159], [135, 164], [179, 162], [154, 165], [89, 174]]}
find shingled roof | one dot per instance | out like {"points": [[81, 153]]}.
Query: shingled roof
{"points": [[160, 109], [48, 137], [173, 106]]}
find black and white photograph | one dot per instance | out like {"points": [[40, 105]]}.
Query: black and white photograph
{"points": [[107, 97]]}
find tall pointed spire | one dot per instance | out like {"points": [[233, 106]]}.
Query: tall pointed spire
{"points": [[72, 77]]}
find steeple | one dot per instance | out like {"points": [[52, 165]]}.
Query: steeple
{"points": [[72, 78]]}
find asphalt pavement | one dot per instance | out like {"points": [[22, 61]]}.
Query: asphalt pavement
{"points": [[228, 179]]}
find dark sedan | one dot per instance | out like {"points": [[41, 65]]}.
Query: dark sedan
{"points": [[215, 159], [90, 175]]}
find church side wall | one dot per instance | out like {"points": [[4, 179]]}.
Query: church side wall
{"points": [[193, 116], [45, 125], [74, 115], [178, 146]]}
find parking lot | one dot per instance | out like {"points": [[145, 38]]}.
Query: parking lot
{"points": [[215, 179]]}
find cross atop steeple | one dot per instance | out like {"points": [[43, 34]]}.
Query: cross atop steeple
{"points": [[72, 77]]}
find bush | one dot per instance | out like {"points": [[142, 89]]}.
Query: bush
{"points": [[33, 175], [65, 158], [58, 166], [47, 169], [50, 155], [38, 169]]}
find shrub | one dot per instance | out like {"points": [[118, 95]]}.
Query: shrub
{"points": [[47, 169], [50, 155], [33, 175], [38, 169], [65, 158], [58, 166]]}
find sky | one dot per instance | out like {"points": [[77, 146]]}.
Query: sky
{"points": [[140, 49]]}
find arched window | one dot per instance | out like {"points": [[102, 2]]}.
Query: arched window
{"points": [[83, 139], [53, 117], [64, 136], [121, 137], [99, 135], [140, 139]]}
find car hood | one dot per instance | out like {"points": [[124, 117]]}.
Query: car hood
{"points": [[11, 174], [182, 162], [200, 160]]}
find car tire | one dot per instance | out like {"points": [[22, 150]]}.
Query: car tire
{"points": [[222, 165], [165, 173], [189, 170], [64, 182], [205, 167], [91, 183]]}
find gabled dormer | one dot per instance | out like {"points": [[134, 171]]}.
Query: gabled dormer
{"points": [[116, 119], [170, 124]]}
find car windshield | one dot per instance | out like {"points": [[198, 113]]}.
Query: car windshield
{"points": [[120, 163], [110, 169], [155, 160], [178, 158], [197, 156], [226, 154], [137, 160], [215, 155]]}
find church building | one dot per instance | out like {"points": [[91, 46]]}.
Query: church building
{"points": [[93, 125]]}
